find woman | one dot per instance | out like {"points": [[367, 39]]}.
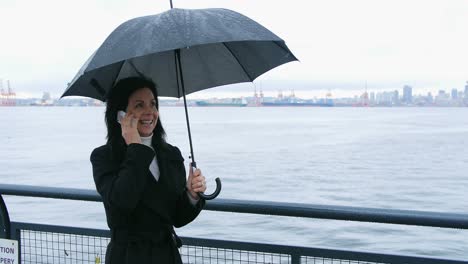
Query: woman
{"points": [[141, 179]]}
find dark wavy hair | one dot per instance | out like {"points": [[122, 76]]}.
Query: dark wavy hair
{"points": [[117, 100]]}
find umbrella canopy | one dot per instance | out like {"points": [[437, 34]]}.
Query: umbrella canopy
{"points": [[182, 51], [217, 47]]}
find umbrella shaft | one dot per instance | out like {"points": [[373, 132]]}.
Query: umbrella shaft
{"points": [[179, 73]]}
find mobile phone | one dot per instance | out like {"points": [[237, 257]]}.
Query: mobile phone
{"points": [[120, 116]]}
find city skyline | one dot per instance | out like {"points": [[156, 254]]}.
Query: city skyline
{"points": [[248, 89], [398, 97]]}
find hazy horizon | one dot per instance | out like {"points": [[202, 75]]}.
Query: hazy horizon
{"points": [[302, 89]]}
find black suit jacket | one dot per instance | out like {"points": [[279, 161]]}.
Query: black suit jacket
{"points": [[139, 208]]}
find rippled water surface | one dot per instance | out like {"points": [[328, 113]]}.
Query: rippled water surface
{"points": [[404, 158]]}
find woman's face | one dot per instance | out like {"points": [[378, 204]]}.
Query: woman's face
{"points": [[142, 105]]}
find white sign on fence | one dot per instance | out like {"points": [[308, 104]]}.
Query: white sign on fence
{"points": [[8, 251]]}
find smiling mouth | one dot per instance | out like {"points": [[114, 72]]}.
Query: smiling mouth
{"points": [[146, 122]]}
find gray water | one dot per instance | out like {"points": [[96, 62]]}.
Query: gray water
{"points": [[402, 158]]}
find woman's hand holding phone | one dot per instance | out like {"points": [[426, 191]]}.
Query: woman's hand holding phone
{"points": [[129, 125]]}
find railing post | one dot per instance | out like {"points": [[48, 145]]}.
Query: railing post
{"points": [[17, 236], [295, 258], [4, 220]]}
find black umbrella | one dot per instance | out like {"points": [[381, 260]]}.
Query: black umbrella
{"points": [[183, 51]]}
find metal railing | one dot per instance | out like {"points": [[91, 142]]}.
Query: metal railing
{"points": [[59, 244]]}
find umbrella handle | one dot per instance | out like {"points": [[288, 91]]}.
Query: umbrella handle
{"points": [[218, 186], [213, 195]]}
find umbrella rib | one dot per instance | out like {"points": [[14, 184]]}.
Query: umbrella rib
{"points": [[235, 57], [283, 48], [118, 73], [98, 87]]}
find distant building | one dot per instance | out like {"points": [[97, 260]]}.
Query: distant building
{"points": [[454, 94], [396, 98], [430, 98], [442, 98], [407, 94], [329, 98], [384, 98], [466, 90]]}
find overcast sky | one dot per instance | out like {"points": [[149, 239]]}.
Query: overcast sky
{"points": [[341, 44]]}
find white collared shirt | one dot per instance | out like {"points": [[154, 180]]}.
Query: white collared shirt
{"points": [[154, 168]]}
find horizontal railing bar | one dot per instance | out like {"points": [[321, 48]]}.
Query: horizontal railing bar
{"points": [[257, 247], [348, 213], [50, 192]]}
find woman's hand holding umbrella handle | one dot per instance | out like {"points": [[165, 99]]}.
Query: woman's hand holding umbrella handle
{"points": [[196, 185], [199, 192], [196, 182], [213, 195], [129, 126]]}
